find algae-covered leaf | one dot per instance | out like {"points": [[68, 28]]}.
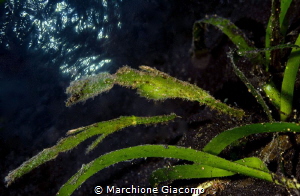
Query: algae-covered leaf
{"points": [[157, 85], [150, 83], [81, 134], [162, 151], [200, 171], [224, 139], [81, 90]]}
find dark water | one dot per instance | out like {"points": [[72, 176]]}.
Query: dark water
{"points": [[44, 45]]}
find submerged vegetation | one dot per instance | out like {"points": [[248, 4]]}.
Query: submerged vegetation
{"points": [[156, 85]]}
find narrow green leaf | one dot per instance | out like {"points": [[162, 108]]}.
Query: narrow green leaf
{"points": [[229, 29], [79, 135], [224, 139], [283, 20], [200, 171], [288, 83], [180, 172], [176, 152]]}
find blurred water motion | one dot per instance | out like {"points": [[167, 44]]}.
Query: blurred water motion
{"points": [[69, 34]]}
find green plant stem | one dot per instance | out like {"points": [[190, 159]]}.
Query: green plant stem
{"points": [[272, 93]]}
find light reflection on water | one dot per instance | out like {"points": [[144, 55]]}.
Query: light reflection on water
{"points": [[63, 30]]}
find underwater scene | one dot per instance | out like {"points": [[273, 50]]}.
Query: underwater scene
{"points": [[149, 97]]}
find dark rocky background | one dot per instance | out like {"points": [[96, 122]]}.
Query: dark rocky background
{"points": [[34, 75]]}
